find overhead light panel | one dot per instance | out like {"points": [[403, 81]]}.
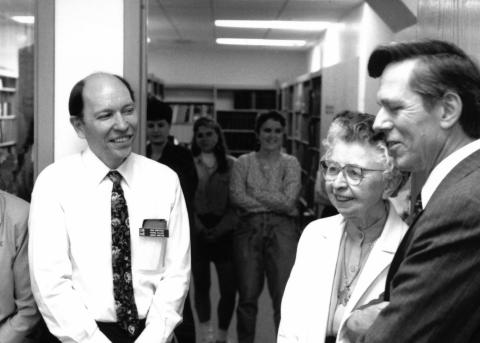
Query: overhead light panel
{"points": [[276, 24], [261, 42], [23, 19]]}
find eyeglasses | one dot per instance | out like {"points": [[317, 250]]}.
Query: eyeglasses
{"points": [[353, 174]]}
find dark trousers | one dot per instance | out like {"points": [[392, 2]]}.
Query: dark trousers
{"points": [[220, 253], [265, 244], [185, 332], [113, 331]]}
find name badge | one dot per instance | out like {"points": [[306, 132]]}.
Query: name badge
{"points": [[154, 228]]}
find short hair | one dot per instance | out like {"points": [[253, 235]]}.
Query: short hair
{"points": [[357, 127], [75, 102], [264, 116], [220, 149], [158, 110], [442, 67]]}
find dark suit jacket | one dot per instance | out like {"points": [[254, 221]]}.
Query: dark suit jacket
{"points": [[433, 284]]}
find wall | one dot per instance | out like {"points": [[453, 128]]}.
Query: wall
{"points": [[346, 49], [225, 67], [342, 42], [13, 36], [374, 31], [452, 20], [85, 41]]}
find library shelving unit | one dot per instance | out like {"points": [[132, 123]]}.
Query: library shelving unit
{"points": [[301, 104], [8, 130], [188, 103], [155, 86], [235, 109], [236, 112]]}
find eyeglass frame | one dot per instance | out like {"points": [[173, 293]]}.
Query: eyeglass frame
{"points": [[342, 170]]}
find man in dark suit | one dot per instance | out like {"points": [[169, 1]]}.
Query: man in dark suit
{"points": [[430, 112]]}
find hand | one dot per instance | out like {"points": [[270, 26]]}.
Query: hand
{"points": [[361, 319]]}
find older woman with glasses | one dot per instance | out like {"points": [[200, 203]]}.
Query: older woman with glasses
{"points": [[342, 261]]}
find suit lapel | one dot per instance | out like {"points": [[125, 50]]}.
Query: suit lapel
{"points": [[323, 278], [462, 169]]}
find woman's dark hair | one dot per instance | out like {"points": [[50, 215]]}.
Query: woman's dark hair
{"points": [[264, 116], [441, 67], [220, 150]]}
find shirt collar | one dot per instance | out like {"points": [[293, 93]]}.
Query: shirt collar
{"points": [[98, 170], [369, 235], [442, 169]]}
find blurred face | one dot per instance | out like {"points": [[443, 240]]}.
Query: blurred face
{"points": [[109, 120], [270, 135], [414, 135], [364, 200], [206, 139], [158, 131]]}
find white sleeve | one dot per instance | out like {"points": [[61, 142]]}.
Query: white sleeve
{"points": [[51, 269]]}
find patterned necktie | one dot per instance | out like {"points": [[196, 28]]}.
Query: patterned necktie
{"points": [[125, 306]]}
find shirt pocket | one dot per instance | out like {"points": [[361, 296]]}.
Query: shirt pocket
{"points": [[151, 253]]}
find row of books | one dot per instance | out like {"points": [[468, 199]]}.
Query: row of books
{"points": [[6, 108], [189, 112]]}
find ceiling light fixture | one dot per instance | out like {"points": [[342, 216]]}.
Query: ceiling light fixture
{"points": [[276, 24], [23, 19], [261, 42]]}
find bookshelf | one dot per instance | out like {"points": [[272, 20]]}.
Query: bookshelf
{"points": [[155, 86], [8, 130], [301, 104], [188, 103], [236, 111]]}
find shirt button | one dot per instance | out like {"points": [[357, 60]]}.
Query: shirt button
{"points": [[353, 269]]}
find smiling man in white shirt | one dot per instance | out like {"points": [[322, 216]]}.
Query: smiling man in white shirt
{"points": [[74, 242]]}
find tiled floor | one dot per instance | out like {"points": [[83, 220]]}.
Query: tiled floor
{"points": [[265, 327]]}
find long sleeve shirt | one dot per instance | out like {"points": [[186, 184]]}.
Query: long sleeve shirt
{"points": [[255, 189], [18, 311], [70, 246]]}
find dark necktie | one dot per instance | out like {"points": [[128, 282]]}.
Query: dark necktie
{"points": [[417, 209], [125, 307]]}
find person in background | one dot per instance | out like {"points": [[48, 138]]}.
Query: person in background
{"points": [[18, 311], [342, 261], [430, 114], [109, 245], [161, 149], [215, 221], [265, 186]]}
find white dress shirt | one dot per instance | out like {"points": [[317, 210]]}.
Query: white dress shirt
{"points": [[442, 169], [70, 246]]}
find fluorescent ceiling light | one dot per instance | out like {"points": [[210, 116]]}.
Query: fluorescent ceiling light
{"points": [[275, 24], [24, 19], [261, 42]]}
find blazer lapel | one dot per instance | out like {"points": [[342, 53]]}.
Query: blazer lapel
{"points": [[323, 278], [379, 258]]}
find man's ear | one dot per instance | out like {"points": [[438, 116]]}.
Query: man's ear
{"points": [[77, 124], [452, 109]]}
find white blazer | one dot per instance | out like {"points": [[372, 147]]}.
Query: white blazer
{"points": [[306, 300]]}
